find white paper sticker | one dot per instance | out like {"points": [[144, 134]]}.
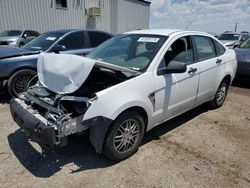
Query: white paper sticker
{"points": [[51, 38], [148, 39]]}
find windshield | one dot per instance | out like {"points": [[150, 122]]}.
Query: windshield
{"points": [[229, 37], [11, 33], [245, 44], [43, 42], [132, 51]]}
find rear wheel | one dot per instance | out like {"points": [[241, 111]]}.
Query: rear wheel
{"points": [[124, 136], [221, 94], [18, 82]]}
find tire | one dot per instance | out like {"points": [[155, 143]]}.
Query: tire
{"points": [[124, 136], [220, 95], [18, 82]]}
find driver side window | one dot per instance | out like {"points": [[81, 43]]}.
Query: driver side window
{"points": [[181, 50]]}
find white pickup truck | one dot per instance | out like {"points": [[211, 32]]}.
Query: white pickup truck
{"points": [[123, 88]]}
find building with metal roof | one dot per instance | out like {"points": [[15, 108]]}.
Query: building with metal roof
{"points": [[115, 16]]}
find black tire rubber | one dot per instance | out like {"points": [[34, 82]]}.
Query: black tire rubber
{"points": [[12, 80], [109, 149], [214, 103]]}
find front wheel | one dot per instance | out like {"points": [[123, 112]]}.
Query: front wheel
{"points": [[125, 136], [220, 95], [19, 81]]}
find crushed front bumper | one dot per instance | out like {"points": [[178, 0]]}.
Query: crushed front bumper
{"points": [[33, 123]]}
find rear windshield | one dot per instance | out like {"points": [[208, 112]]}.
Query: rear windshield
{"points": [[229, 37]]}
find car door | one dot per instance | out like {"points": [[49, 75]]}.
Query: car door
{"points": [[211, 67], [176, 93]]}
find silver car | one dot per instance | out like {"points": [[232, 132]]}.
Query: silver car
{"points": [[17, 38]]}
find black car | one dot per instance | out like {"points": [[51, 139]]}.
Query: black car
{"points": [[243, 59], [18, 65]]}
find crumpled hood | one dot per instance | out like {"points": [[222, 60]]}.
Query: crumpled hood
{"points": [[7, 52], [65, 73]]}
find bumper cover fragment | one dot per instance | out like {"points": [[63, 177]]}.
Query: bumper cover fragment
{"points": [[33, 123]]}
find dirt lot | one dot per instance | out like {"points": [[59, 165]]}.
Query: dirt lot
{"points": [[202, 148]]}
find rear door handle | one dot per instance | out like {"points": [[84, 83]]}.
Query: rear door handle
{"points": [[218, 61], [192, 70]]}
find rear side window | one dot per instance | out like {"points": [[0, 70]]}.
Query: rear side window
{"points": [[205, 48], [220, 50], [31, 33], [96, 38], [74, 41]]}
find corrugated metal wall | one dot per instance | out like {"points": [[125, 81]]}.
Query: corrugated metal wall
{"points": [[42, 15], [132, 15]]}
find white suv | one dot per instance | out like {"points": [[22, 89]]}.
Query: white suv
{"points": [[126, 86]]}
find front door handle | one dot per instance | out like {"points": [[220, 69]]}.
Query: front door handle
{"points": [[192, 70], [218, 61]]}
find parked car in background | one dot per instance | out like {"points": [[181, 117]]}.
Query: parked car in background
{"points": [[17, 38], [244, 35], [18, 65], [232, 39], [243, 58], [123, 88]]}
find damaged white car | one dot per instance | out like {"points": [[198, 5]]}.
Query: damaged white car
{"points": [[125, 87]]}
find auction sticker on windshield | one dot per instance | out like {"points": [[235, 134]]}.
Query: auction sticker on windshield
{"points": [[148, 39], [51, 38]]}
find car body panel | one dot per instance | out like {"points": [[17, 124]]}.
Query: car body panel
{"points": [[11, 65], [6, 52], [243, 58]]}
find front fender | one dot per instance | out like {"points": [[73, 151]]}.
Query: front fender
{"points": [[131, 93], [10, 65]]}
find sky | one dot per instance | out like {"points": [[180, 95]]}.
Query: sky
{"points": [[214, 16]]}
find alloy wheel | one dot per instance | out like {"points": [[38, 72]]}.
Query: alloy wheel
{"points": [[126, 136]]}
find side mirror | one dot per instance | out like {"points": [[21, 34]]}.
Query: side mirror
{"points": [[24, 36], [59, 48], [173, 67]]}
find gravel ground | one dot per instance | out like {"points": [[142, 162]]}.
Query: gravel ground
{"points": [[201, 148]]}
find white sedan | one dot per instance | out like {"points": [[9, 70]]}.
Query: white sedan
{"points": [[125, 87]]}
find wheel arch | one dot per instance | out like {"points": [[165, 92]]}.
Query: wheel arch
{"points": [[16, 70], [98, 134], [22, 68], [228, 79], [141, 111]]}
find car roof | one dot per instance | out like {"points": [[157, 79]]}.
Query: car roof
{"points": [[65, 31], [231, 32], [165, 32]]}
